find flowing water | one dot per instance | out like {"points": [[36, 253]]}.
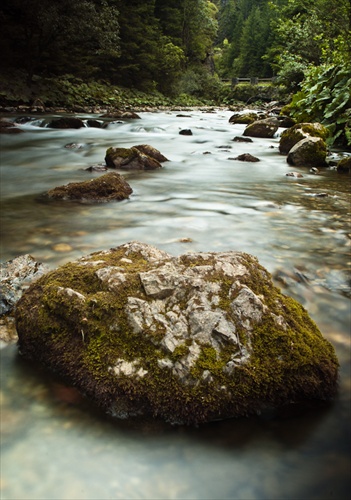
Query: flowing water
{"points": [[53, 444]]}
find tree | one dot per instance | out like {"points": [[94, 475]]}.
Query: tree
{"points": [[55, 36], [254, 41]]}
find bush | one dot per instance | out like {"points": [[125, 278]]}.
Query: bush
{"points": [[325, 96]]}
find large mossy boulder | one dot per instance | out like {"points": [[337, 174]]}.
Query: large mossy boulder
{"points": [[108, 187], [189, 339], [300, 131], [130, 159], [309, 152]]}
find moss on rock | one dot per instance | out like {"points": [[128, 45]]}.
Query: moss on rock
{"points": [[300, 131], [344, 165], [188, 339], [132, 158], [309, 152], [108, 187]]}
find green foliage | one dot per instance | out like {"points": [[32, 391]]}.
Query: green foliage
{"points": [[325, 97], [253, 44], [308, 33], [292, 71], [56, 36], [198, 82]]}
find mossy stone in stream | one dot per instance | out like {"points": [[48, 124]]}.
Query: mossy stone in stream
{"points": [[108, 187], [300, 131], [344, 165], [132, 158], [309, 152], [190, 339]]}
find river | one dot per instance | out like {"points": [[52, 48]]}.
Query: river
{"points": [[54, 445]]}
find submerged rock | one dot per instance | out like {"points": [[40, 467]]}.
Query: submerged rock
{"points": [[190, 339], [108, 187]]}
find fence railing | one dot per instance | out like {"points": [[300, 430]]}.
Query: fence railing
{"points": [[253, 80]]}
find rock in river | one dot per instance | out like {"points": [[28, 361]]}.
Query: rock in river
{"points": [[300, 131], [189, 339], [108, 187], [309, 152], [15, 276], [132, 158], [262, 128]]}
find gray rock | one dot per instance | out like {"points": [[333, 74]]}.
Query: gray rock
{"points": [[190, 339], [15, 276], [262, 128], [309, 152]]}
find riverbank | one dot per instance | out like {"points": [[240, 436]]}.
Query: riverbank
{"points": [[71, 94]]}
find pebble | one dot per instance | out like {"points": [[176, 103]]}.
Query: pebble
{"points": [[62, 247]]}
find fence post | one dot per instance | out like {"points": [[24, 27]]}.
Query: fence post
{"points": [[235, 81], [254, 80]]}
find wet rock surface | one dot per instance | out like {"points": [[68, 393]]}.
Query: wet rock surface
{"points": [[190, 339], [344, 165], [108, 187], [66, 122], [121, 114], [265, 128], [9, 127], [300, 131], [15, 276], [309, 152], [246, 157], [133, 158]]}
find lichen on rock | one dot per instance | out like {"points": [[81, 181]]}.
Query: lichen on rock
{"points": [[190, 339]]}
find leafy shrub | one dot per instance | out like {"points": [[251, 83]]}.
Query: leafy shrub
{"points": [[325, 96]]}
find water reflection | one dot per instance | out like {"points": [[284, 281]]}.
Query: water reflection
{"points": [[54, 445]]}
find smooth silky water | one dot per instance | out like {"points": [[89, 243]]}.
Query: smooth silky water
{"points": [[54, 445]]}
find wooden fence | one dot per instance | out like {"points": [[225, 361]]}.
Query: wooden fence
{"points": [[254, 80]]}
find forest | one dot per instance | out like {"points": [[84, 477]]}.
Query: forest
{"points": [[185, 48]]}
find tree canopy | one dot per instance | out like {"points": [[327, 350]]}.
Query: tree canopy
{"points": [[176, 46]]}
